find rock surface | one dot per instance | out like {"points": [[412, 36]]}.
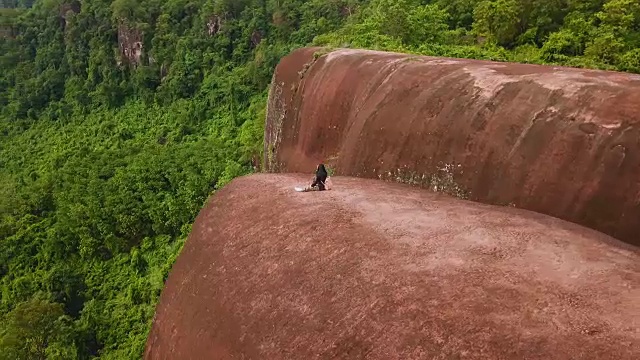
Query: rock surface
{"points": [[382, 270], [558, 141]]}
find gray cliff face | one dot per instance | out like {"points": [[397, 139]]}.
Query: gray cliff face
{"points": [[130, 44]]}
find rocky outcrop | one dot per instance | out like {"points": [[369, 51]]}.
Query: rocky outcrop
{"points": [[68, 10], [256, 38], [130, 44], [559, 141], [374, 270], [7, 31], [214, 24]]}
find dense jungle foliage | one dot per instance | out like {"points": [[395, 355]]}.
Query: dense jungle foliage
{"points": [[119, 118]]}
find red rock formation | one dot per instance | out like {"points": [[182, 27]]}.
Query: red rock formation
{"points": [[375, 270], [559, 141]]}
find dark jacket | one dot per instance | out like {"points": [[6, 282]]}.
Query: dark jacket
{"points": [[321, 177]]}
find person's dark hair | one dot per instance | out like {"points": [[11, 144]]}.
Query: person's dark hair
{"points": [[321, 170]]}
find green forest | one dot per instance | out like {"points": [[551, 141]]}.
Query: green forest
{"points": [[120, 118]]}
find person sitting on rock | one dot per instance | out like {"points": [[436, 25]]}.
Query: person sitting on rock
{"points": [[320, 179]]}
